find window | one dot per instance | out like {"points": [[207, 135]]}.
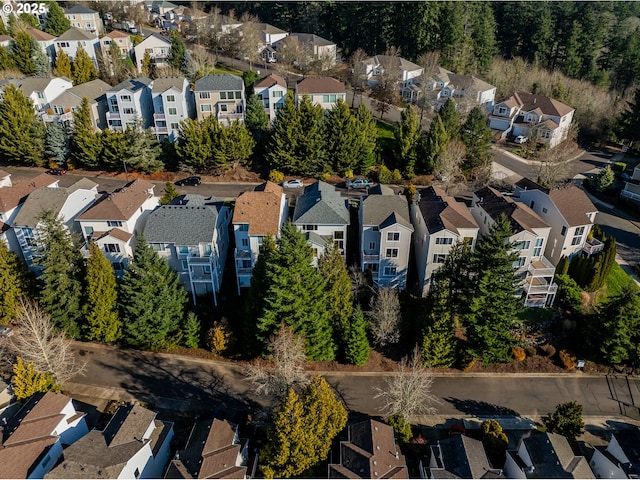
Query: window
{"points": [[502, 111], [563, 231], [393, 236], [128, 111], [372, 246], [185, 265], [112, 248], [439, 258], [523, 245], [238, 95], [389, 271], [40, 95], [173, 111], [158, 247], [315, 252], [519, 262], [392, 252], [325, 99], [532, 204], [444, 241], [260, 240], [206, 249], [538, 247], [114, 223], [223, 107], [88, 231], [577, 236], [63, 44], [207, 269], [243, 227], [205, 95], [245, 242], [374, 229], [46, 460], [174, 126], [117, 266], [244, 264], [223, 95], [338, 235], [468, 240], [205, 108], [372, 266], [148, 50], [276, 94], [309, 227], [544, 210], [171, 98], [125, 98], [182, 250]]}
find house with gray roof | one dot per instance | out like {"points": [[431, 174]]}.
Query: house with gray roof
{"points": [[322, 214], [385, 238], [172, 103], [134, 444], [41, 90], [128, 102], [396, 68], [317, 48], [222, 95], [62, 107], [459, 457], [76, 38], [158, 47], [191, 233], [65, 203], [620, 458], [545, 455], [84, 18]]}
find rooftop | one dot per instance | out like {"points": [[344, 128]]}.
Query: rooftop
{"points": [[260, 209], [120, 205], [384, 210], [76, 34], [269, 81], [132, 85], [314, 85], [520, 216], [219, 82], [462, 457], [163, 84], [39, 35], [79, 9], [11, 197], [539, 103], [441, 211], [321, 203], [574, 204]]}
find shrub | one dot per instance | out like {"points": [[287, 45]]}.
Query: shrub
{"points": [[619, 166], [567, 360], [410, 192], [384, 174], [518, 354], [348, 174], [219, 337], [325, 176], [276, 176], [401, 428], [396, 176], [530, 350], [547, 350]]}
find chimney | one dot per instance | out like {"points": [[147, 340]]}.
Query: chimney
{"points": [[534, 100]]}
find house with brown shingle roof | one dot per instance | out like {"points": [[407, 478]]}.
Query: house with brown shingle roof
{"points": [[115, 218], [45, 40], [370, 451], [459, 457], [323, 91], [530, 235], [569, 212], [32, 440], [214, 450], [272, 90], [121, 39], [541, 118], [257, 214], [440, 221]]}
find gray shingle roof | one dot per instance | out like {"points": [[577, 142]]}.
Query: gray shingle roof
{"points": [[321, 203], [91, 90], [552, 457], [162, 84], [133, 84], [385, 210], [189, 224], [79, 9], [75, 34], [219, 82], [312, 39]]}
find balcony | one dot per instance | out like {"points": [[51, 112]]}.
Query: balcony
{"points": [[159, 116], [370, 258], [113, 116], [539, 286], [541, 267], [593, 246], [196, 260], [244, 271], [65, 117], [228, 118], [242, 254], [161, 130], [629, 194]]}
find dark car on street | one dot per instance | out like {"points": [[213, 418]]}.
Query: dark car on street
{"points": [[57, 171], [189, 181]]}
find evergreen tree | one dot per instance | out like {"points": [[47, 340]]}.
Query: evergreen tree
{"points": [[476, 136], [407, 136], [6, 61], [83, 70], [191, 331], [148, 68], [566, 420], [483, 36], [255, 118], [450, 118], [433, 145], [232, 145], [286, 136], [495, 441], [255, 305], [342, 138], [3, 28], [63, 65], [121, 71], [152, 301], [629, 120], [142, 149], [194, 146], [177, 51], [493, 308], [113, 150], [22, 54], [454, 280], [60, 261], [57, 22], [27, 381], [438, 341], [619, 333], [56, 144], [85, 143], [296, 296], [357, 347], [366, 140], [189, 67], [100, 307], [339, 296], [40, 60], [15, 282], [21, 133], [311, 151], [170, 192]]}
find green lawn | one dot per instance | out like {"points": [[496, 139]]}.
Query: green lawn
{"points": [[221, 68], [616, 281], [385, 137]]}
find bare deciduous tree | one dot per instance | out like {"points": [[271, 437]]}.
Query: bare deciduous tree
{"points": [[358, 74], [385, 317], [285, 367], [409, 391], [41, 344], [448, 169]]}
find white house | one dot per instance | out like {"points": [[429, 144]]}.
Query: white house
{"points": [[620, 459], [529, 238], [114, 220], [134, 444], [403, 71], [84, 18], [6, 41], [32, 440], [323, 91], [318, 48], [385, 238], [440, 222], [272, 90], [192, 234], [129, 102], [222, 95], [322, 214], [65, 203], [42, 90], [74, 39], [172, 103], [257, 214], [5, 179], [544, 119], [158, 48], [62, 107]]}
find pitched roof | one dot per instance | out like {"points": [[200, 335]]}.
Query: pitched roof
{"points": [[574, 204], [520, 216], [527, 184], [269, 81], [75, 34], [116, 34], [91, 90], [552, 457], [461, 456], [312, 39], [188, 224], [11, 197], [270, 29], [79, 9], [163, 84], [35, 84], [156, 36], [39, 35], [441, 211], [260, 209], [468, 82], [120, 205], [217, 82], [541, 103], [132, 85], [321, 203], [393, 62], [313, 85], [629, 440], [384, 210]]}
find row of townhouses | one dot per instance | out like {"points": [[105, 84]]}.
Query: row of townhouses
{"points": [[192, 233]]}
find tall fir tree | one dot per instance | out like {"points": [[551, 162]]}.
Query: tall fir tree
{"points": [[177, 51], [342, 138], [232, 145], [194, 146], [15, 282], [40, 60], [6, 61], [366, 140], [286, 134], [59, 259], [433, 145], [311, 152], [142, 150], [407, 136], [57, 22], [357, 348], [83, 70], [476, 136], [438, 342], [56, 144], [112, 149], [100, 305], [255, 118], [21, 133], [152, 301], [22, 53], [629, 120], [63, 65], [619, 332], [191, 331], [85, 143], [27, 381], [450, 118]]}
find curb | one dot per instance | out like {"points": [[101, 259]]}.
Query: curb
{"points": [[534, 162]]}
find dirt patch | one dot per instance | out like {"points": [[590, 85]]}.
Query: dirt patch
{"points": [[240, 174]]}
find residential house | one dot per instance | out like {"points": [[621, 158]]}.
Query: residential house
{"points": [[214, 450], [440, 222], [569, 212], [621, 458], [542, 119], [158, 48], [45, 40], [12, 197], [529, 238], [85, 19], [631, 190], [114, 220], [269, 36], [396, 68], [459, 457], [317, 47], [370, 451], [385, 238], [121, 39], [6, 41], [322, 214], [222, 95], [62, 107], [323, 91], [74, 39], [134, 444], [159, 7], [192, 234], [32, 440], [172, 103], [130, 102], [41, 90], [272, 90], [257, 214], [65, 203], [545, 455]]}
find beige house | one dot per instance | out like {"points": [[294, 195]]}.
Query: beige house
{"points": [[220, 95], [63, 105], [323, 91], [121, 39], [85, 19]]}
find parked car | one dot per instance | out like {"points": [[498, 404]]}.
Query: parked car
{"points": [[189, 181], [521, 139], [358, 183], [296, 183], [57, 171], [5, 331]]}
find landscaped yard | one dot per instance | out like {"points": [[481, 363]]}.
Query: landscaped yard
{"points": [[616, 281], [385, 138]]}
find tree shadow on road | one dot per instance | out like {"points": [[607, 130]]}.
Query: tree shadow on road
{"points": [[480, 408]]}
